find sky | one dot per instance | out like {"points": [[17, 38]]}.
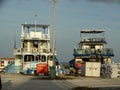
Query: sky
{"points": [[71, 17]]}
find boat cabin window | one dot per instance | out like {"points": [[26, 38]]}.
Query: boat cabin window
{"points": [[28, 58], [35, 44], [24, 44], [2, 63], [92, 46], [50, 57], [43, 59], [38, 58]]}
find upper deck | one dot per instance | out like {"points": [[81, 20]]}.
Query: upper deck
{"points": [[92, 37], [35, 32], [92, 43], [35, 38]]}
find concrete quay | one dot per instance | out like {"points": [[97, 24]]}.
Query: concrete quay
{"points": [[25, 82]]}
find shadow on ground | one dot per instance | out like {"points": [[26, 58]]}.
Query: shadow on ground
{"points": [[96, 88]]}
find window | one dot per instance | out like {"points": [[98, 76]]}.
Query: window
{"points": [[2, 63], [92, 46], [50, 57], [35, 44], [28, 58]]}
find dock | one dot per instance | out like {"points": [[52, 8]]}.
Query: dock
{"points": [[31, 82]]}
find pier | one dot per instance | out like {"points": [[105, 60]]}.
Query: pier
{"points": [[25, 82]]}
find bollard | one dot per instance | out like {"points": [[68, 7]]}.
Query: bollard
{"points": [[52, 72]]}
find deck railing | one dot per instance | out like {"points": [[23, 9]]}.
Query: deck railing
{"points": [[92, 40], [32, 50], [42, 36], [101, 52]]}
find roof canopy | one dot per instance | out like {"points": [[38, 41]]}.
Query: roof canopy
{"points": [[92, 31], [36, 25]]}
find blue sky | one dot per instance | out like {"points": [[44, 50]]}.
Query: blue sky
{"points": [[71, 17]]}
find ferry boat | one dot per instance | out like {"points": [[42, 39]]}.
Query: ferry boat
{"points": [[35, 54], [92, 47], [92, 52]]}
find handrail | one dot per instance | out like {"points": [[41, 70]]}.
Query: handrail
{"points": [[6, 67], [32, 50], [91, 52]]}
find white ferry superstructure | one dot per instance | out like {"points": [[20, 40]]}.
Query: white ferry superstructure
{"points": [[35, 48]]}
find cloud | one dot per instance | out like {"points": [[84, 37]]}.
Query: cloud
{"points": [[105, 1]]}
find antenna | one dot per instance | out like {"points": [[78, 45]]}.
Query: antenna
{"points": [[35, 23], [15, 42]]}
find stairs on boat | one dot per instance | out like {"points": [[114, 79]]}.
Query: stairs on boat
{"points": [[10, 68]]}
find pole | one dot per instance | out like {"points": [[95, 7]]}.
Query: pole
{"points": [[54, 28], [52, 68]]}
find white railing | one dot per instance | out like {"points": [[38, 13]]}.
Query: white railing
{"points": [[42, 36], [33, 50], [93, 39]]}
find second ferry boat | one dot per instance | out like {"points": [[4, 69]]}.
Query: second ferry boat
{"points": [[92, 47], [91, 53]]}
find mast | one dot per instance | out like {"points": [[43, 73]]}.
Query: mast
{"points": [[35, 23], [15, 42]]}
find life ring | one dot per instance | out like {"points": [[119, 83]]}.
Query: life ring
{"points": [[78, 65]]}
